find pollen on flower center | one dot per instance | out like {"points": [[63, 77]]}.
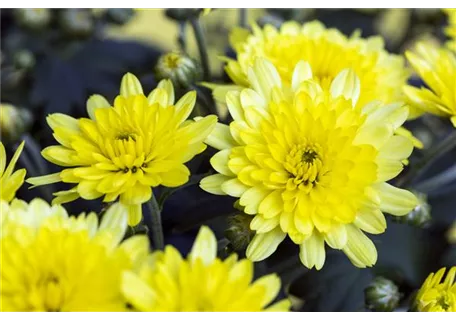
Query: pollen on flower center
{"points": [[444, 301], [126, 136]]}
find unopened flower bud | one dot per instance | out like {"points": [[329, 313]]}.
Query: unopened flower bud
{"points": [[420, 215], [238, 231], [24, 60], [77, 23], [13, 121], [179, 68], [451, 234], [382, 295], [180, 14], [33, 19], [119, 16]]}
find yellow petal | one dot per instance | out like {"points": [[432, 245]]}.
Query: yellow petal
{"points": [[337, 236], [220, 162], [301, 73], [346, 84], [263, 77], [167, 85], [264, 244], [115, 221], [271, 284], [137, 292], [312, 251], [130, 86], [47, 179], [134, 214], [234, 187], [359, 248], [204, 247], [176, 177], [12, 163], [95, 102], [213, 184], [199, 130], [395, 201], [221, 138], [185, 106], [2, 159], [371, 220]]}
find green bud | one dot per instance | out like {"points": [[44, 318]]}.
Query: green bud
{"points": [[183, 14], [33, 19], [420, 215], [119, 16], [238, 231], [78, 23], [24, 60], [13, 121], [382, 295], [179, 68]]}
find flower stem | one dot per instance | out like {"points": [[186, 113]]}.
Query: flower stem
{"points": [[428, 159], [202, 47], [154, 224], [182, 38], [243, 17]]}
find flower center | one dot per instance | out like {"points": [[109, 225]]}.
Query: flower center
{"points": [[51, 293], [126, 136], [305, 165], [444, 301], [172, 60]]}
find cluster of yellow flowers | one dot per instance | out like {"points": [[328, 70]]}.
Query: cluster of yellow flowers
{"points": [[315, 136]]}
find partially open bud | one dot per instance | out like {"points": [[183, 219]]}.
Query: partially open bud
{"points": [[179, 68], [238, 231], [382, 295], [33, 19], [78, 23], [420, 216], [13, 121]]}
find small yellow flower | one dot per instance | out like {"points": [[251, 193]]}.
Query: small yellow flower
{"points": [[127, 149], [437, 67], [451, 28], [308, 164], [202, 282], [437, 296], [60, 263], [10, 181]]}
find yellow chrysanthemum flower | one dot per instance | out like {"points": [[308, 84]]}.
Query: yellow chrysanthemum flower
{"points": [[437, 67], [308, 164], [451, 28], [10, 181], [125, 150], [202, 282], [327, 51], [437, 296], [60, 263]]}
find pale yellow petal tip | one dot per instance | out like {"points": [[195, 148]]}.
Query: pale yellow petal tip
{"points": [[205, 246], [453, 121], [130, 85], [346, 84], [95, 102]]}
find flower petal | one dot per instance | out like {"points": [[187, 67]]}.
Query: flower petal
{"points": [[264, 244]]}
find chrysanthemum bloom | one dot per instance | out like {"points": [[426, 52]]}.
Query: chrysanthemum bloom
{"points": [[451, 28], [125, 150], [10, 181], [57, 263], [437, 67], [437, 296], [309, 165], [202, 282]]}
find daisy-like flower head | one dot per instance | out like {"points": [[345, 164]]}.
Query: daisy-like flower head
{"points": [[202, 282], [437, 67], [435, 295], [327, 51], [52, 262], [308, 164], [451, 28], [127, 149], [10, 181]]}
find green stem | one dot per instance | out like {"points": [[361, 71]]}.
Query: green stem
{"points": [[154, 224], [202, 47], [428, 159], [243, 17], [182, 38]]}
